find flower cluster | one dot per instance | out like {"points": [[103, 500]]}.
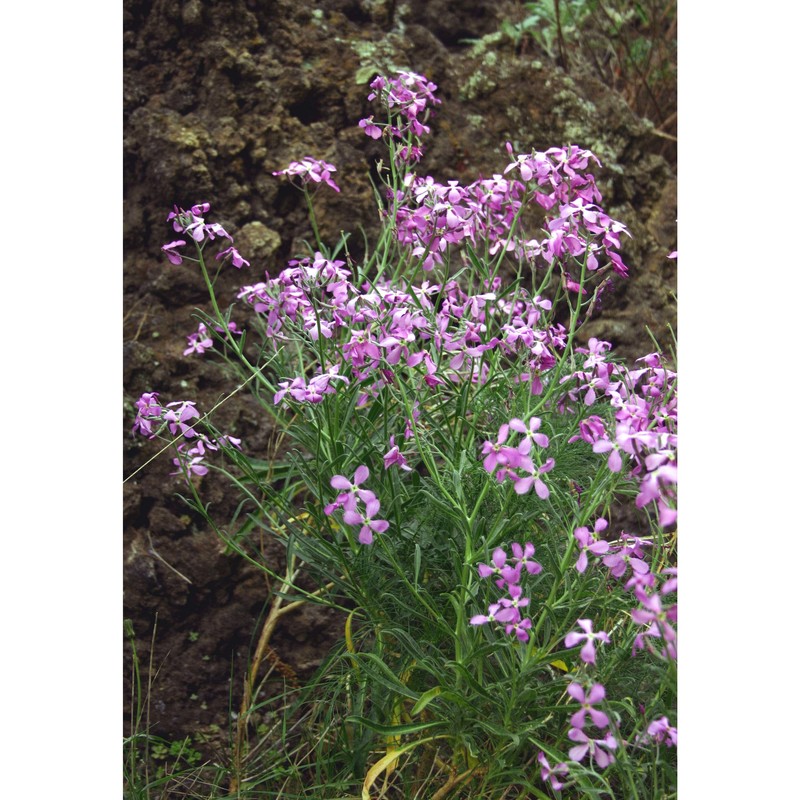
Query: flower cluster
{"points": [[407, 99], [149, 414], [515, 463], [312, 391], [201, 341], [659, 730], [309, 171], [599, 749], [431, 217], [660, 618], [645, 403], [627, 551], [178, 417], [191, 224], [508, 574], [380, 329], [361, 506]]}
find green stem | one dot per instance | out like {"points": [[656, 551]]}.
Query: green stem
{"points": [[254, 371], [312, 218]]}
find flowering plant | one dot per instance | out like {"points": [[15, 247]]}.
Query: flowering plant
{"points": [[458, 464]]}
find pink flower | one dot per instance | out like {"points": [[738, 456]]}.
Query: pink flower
{"points": [[172, 253], [629, 553], [497, 452], [312, 392], [236, 258], [198, 342], [587, 651], [530, 433], [520, 629], [661, 731], [310, 170], [188, 462], [148, 412], [595, 747], [549, 773], [497, 613], [660, 622], [515, 601], [178, 417], [523, 485], [596, 694], [590, 543], [522, 557], [394, 457], [370, 128], [350, 493], [369, 524], [507, 574]]}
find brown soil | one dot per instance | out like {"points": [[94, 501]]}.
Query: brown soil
{"points": [[216, 97]]}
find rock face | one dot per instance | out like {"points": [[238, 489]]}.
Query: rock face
{"points": [[217, 96]]}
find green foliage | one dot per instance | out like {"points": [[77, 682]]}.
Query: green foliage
{"points": [[427, 695]]}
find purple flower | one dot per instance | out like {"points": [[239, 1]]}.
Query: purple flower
{"points": [[188, 462], [523, 485], [508, 574], [179, 416], [370, 128], [630, 553], [587, 651], [520, 629], [369, 524], [185, 220], [198, 342], [236, 258], [232, 327], [607, 446], [530, 432], [661, 731], [212, 231], [497, 613], [361, 506], [497, 452], [654, 485], [592, 429], [148, 412], [394, 457], [596, 694], [660, 622], [523, 557], [310, 170], [671, 583], [515, 601], [190, 222], [172, 253], [589, 543], [595, 747], [312, 392], [350, 493], [549, 773]]}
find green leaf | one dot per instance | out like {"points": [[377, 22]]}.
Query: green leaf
{"points": [[425, 699], [395, 730]]}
